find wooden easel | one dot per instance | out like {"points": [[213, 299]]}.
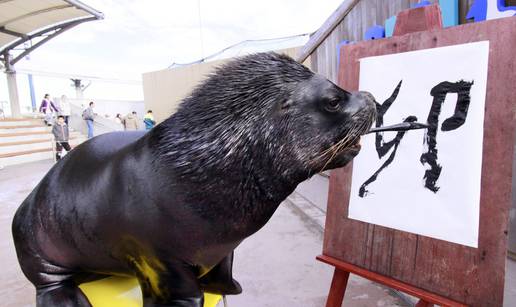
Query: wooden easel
{"points": [[341, 276], [408, 21], [407, 262]]}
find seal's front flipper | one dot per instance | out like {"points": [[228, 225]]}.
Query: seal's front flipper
{"points": [[172, 284], [220, 279], [63, 294]]}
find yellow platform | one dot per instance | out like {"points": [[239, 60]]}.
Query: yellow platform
{"points": [[124, 292]]}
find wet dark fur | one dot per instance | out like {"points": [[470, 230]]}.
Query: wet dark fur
{"points": [[180, 198]]}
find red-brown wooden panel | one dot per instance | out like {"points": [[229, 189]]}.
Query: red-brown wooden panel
{"points": [[469, 275], [419, 19]]}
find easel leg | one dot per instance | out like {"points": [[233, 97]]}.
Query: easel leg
{"points": [[422, 303], [338, 288]]}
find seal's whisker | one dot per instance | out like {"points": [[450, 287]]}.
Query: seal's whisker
{"points": [[341, 144], [331, 148], [355, 131], [336, 147], [333, 156], [358, 129]]}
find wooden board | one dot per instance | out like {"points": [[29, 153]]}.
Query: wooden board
{"points": [[469, 275]]}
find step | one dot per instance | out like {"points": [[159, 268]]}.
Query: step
{"points": [[26, 145], [25, 128], [13, 119], [26, 158], [17, 119], [32, 155], [25, 152], [28, 136], [20, 122]]}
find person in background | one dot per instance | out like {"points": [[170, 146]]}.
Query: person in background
{"points": [[47, 107], [61, 134], [118, 118], [131, 121], [65, 109], [88, 115], [148, 120]]}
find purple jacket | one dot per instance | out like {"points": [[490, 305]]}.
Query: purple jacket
{"points": [[47, 104]]}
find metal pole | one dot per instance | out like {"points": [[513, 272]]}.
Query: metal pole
{"points": [[12, 86], [32, 94]]}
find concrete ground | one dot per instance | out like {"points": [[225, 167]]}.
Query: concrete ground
{"points": [[276, 266], [16, 182]]}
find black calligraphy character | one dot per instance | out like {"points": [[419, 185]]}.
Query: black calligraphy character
{"points": [[439, 92], [383, 147]]}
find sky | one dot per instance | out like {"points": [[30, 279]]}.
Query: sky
{"points": [[139, 36]]}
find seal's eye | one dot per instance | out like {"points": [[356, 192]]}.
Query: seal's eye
{"points": [[332, 105]]}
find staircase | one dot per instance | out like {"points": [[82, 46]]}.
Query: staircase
{"points": [[25, 140]]}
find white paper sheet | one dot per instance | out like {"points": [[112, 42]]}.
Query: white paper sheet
{"points": [[398, 198]]}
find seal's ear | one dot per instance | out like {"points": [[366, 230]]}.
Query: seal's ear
{"points": [[287, 103]]}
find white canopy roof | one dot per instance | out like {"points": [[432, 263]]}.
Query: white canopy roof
{"points": [[24, 20]]}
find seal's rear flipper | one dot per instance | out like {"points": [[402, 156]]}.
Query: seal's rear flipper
{"points": [[220, 279], [55, 284]]}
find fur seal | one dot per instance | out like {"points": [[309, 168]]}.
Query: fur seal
{"points": [[171, 205]]}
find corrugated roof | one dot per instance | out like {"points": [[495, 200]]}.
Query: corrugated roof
{"points": [[22, 20]]}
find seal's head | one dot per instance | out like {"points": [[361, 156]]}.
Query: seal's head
{"points": [[268, 112], [329, 122]]}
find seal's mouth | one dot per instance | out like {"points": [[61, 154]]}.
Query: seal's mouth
{"points": [[349, 144], [352, 136], [353, 146], [356, 145]]}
